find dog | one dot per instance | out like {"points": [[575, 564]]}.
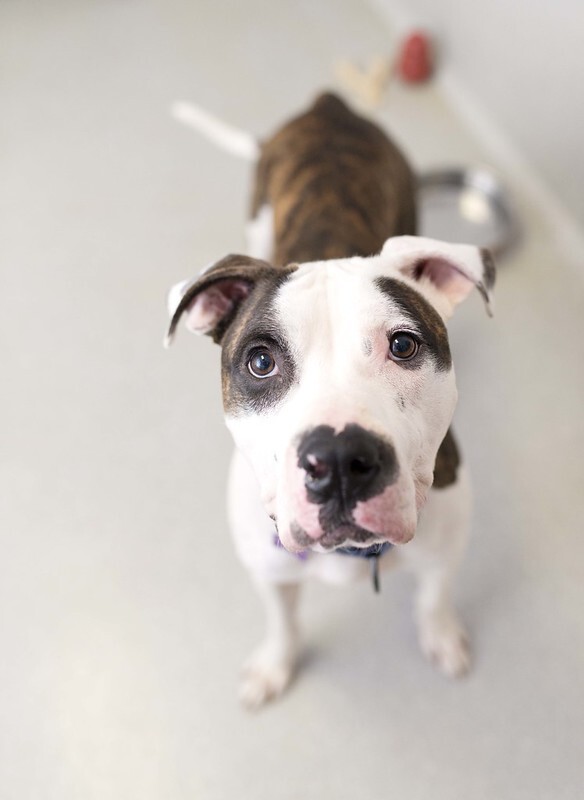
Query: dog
{"points": [[337, 378]]}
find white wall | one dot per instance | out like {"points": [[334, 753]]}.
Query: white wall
{"points": [[523, 61]]}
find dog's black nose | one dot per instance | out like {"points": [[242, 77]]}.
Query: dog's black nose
{"points": [[349, 466]]}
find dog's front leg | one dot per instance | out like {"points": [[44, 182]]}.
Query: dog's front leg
{"points": [[268, 671], [434, 557], [442, 637], [277, 575]]}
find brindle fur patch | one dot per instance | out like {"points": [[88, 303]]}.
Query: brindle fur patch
{"points": [[427, 319], [338, 186], [447, 462], [255, 325]]}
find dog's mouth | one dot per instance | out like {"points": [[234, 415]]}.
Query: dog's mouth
{"points": [[346, 538], [372, 551]]}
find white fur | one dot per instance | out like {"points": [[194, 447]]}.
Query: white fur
{"points": [[434, 556], [269, 669], [235, 141]]}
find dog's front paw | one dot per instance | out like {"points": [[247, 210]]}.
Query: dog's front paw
{"points": [[444, 642], [265, 675]]}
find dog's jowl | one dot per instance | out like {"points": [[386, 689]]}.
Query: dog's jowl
{"points": [[338, 383]]}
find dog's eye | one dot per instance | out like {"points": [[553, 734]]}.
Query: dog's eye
{"points": [[262, 364], [403, 346]]}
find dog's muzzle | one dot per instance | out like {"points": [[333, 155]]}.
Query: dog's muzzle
{"points": [[342, 469]]}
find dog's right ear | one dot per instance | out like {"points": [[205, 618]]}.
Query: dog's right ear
{"points": [[210, 301]]}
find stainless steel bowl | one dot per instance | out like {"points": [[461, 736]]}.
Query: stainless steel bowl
{"points": [[466, 205]]}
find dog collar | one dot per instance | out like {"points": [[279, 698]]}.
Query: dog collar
{"points": [[372, 554]]}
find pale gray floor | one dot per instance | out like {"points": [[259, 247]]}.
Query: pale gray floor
{"points": [[124, 614]]}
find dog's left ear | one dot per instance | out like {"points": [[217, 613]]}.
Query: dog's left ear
{"points": [[452, 269], [211, 300]]}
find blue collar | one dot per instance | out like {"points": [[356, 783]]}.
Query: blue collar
{"points": [[372, 553]]}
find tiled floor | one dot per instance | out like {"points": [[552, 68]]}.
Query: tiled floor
{"points": [[124, 614]]}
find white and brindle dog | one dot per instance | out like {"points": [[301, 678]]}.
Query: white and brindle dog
{"points": [[338, 384]]}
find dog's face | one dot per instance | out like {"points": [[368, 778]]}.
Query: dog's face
{"points": [[338, 382]]}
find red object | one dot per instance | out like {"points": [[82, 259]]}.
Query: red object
{"points": [[415, 58]]}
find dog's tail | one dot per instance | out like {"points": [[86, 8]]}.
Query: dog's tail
{"points": [[235, 141]]}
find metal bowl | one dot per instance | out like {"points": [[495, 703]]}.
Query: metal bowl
{"points": [[466, 205]]}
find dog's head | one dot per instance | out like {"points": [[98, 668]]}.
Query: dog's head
{"points": [[337, 379]]}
